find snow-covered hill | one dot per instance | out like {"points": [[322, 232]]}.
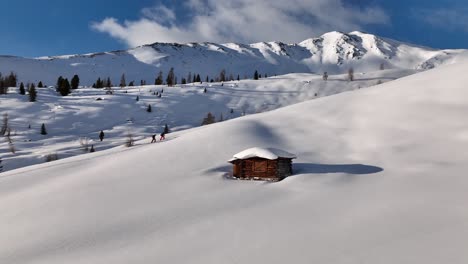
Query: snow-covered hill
{"points": [[380, 178], [334, 52], [81, 115]]}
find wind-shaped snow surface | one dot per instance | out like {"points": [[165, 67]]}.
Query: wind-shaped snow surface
{"points": [[265, 153], [334, 52], [381, 177]]}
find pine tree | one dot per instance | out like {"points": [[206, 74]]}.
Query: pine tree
{"points": [[123, 82], [207, 79], [238, 77], [108, 83], [43, 129], [149, 109], [39, 85], [198, 79], [256, 75], [138, 98], [75, 82], [22, 91], [222, 75], [131, 84], [166, 129], [32, 93], [189, 77], [64, 88], [159, 79], [184, 81], [59, 83], [170, 77]]}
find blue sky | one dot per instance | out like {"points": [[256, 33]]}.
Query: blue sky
{"points": [[37, 28]]}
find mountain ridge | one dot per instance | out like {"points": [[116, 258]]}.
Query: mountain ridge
{"points": [[334, 52]]}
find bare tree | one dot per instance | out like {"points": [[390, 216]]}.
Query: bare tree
{"points": [[325, 76], [129, 141], [351, 74]]}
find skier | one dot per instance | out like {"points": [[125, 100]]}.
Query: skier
{"points": [[101, 135], [153, 138], [162, 137]]}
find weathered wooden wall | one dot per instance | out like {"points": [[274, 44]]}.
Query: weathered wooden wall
{"points": [[257, 168]]}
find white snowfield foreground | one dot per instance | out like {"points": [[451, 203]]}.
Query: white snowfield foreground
{"points": [[381, 177]]}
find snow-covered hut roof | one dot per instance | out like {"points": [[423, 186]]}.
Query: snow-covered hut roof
{"points": [[265, 153]]}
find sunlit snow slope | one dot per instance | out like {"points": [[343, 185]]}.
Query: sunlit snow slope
{"points": [[381, 177]]}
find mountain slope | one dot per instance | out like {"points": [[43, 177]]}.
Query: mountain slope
{"points": [[81, 115], [380, 178], [334, 52]]}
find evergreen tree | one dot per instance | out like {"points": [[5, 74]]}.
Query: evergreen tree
{"points": [[189, 77], [39, 85], [170, 77], [166, 129], [131, 84], [138, 98], [64, 88], [59, 83], [222, 75], [198, 79], [256, 75], [149, 109], [159, 79], [194, 79], [22, 91], [238, 77], [32, 93], [108, 83], [184, 81], [75, 82], [43, 129], [123, 82], [207, 79]]}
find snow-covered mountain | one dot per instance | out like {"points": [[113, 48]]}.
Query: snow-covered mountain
{"points": [[380, 178], [334, 52]]}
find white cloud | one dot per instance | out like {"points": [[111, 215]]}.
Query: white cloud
{"points": [[451, 19], [242, 21]]}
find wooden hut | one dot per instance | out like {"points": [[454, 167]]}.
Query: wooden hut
{"points": [[268, 164]]}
